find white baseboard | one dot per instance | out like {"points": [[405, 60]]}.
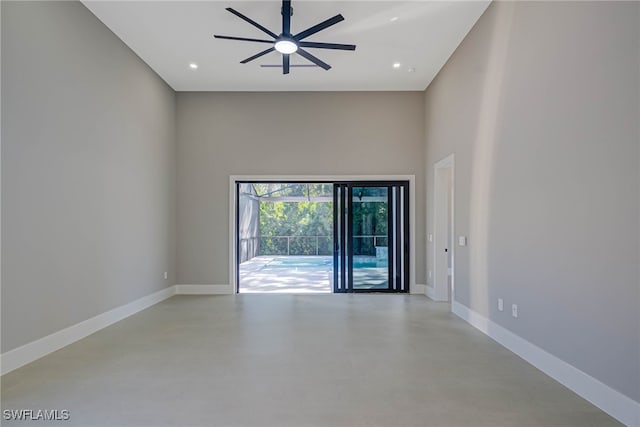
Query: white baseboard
{"points": [[204, 290], [418, 289], [14, 359], [430, 292], [614, 403]]}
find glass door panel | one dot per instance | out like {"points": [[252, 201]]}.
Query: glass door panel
{"points": [[370, 237], [339, 239]]}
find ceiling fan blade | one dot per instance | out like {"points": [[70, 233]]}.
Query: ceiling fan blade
{"points": [[313, 59], [290, 66], [319, 27], [243, 39], [328, 45], [257, 55], [252, 22], [286, 16], [285, 64]]}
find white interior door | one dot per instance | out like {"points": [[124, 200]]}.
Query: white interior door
{"points": [[443, 244]]}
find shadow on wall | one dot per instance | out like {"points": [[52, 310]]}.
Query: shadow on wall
{"points": [[484, 148]]}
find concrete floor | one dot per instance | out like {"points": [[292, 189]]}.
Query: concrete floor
{"points": [[294, 360]]}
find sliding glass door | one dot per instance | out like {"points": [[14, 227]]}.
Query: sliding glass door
{"points": [[371, 237]]}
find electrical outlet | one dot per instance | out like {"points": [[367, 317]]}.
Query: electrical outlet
{"points": [[500, 304], [514, 310], [429, 274], [430, 237], [166, 275]]}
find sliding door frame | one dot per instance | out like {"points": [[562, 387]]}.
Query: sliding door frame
{"points": [[398, 215], [232, 287]]}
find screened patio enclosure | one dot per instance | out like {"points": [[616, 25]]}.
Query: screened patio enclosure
{"points": [[285, 237], [294, 237]]}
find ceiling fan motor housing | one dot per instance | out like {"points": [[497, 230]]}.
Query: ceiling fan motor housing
{"points": [[283, 12]]}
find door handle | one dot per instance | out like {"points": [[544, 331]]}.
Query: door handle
{"points": [[446, 250]]}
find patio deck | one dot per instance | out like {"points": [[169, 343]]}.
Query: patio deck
{"points": [[287, 274], [303, 274]]}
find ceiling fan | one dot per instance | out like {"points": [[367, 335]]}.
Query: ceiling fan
{"points": [[287, 43]]}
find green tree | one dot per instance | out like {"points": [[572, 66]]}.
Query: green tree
{"points": [[308, 222], [305, 213]]}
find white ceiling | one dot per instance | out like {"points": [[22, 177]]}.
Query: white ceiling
{"points": [[168, 35]]}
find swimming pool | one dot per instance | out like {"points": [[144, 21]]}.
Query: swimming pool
{"points": [[301, 261], [324, 262]]}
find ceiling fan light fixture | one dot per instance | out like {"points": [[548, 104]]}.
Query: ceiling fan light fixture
{"points": [[286, 46]]}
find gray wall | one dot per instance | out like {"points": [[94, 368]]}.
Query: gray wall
{"points": [[88, 171], [222, 134], [540, 106]]}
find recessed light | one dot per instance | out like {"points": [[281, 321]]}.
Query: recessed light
{"points": [[396, 65], [394, 19], [411, 69], [193, 66]]}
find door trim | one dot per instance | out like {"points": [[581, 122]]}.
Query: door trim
{"points": [[233, 179], [440, 294]]}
